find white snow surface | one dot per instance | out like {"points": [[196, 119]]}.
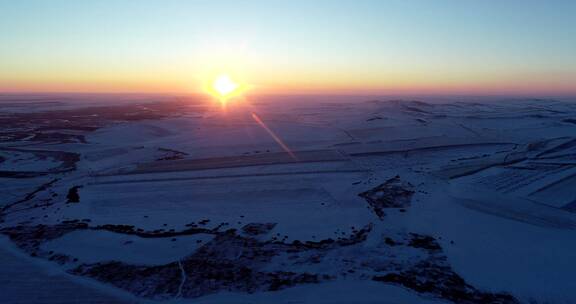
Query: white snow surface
{"points": [[494, 185]]}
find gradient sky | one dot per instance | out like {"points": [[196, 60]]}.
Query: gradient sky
{"points": [[308, 46]]}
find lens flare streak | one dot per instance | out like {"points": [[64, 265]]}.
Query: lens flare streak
{"points": [[274, 136]]}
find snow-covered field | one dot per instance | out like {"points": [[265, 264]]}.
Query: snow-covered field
{"points": [[290, 200]]}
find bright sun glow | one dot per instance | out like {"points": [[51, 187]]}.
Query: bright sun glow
{"points": [[224, 86]]}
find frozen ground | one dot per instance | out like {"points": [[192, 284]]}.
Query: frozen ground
{"points": [[175, 199]]}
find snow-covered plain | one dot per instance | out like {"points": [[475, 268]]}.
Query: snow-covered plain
{"points": [[177, 199]]}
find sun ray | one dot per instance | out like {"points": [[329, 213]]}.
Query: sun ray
{"points": [[274, 136]]}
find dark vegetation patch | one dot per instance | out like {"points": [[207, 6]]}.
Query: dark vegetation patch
{"points": [[29, 238], [258, 228], [229, 262], [424, 241], [63, 126], [73, 196], [240, 263], [160, 282], [67, 162], [21, 174], [159, 233], [171, 154], [203, 277], [435, 277], [393, 193], [31, 195]]}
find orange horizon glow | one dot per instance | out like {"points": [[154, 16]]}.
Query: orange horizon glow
{"points": [[526, 88], [293, 81], [298, 82], [287, 80]]}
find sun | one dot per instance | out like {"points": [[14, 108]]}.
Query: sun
{"points": [[224, 86]]}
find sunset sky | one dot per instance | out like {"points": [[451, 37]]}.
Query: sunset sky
{"points": [[337, 46]]}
